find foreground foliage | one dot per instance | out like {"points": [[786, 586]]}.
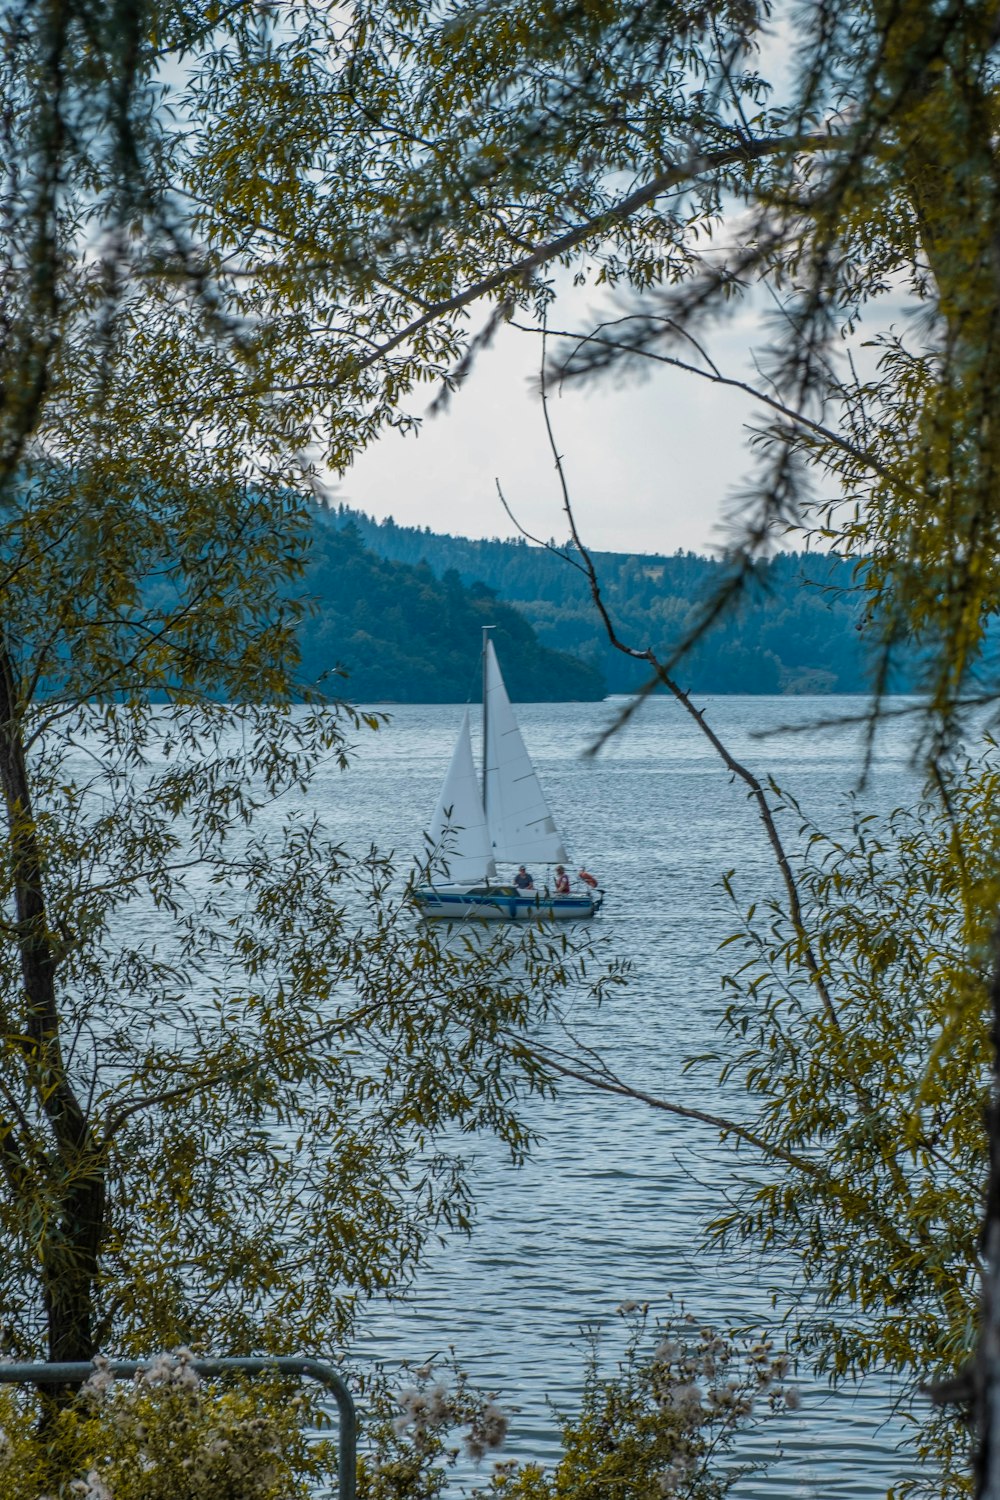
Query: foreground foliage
{"points": [[666, 1423], [237, 1075], [233, 1072], [164, 1436], [193, 319], [863, 1040]]}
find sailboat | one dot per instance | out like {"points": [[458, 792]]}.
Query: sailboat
{"points": [[504, 820]]}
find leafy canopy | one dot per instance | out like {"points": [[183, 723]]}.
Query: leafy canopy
{"points": [[868, 1067], [236, 1076]]}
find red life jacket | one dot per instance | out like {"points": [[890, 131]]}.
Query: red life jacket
{"points": [[587, 878]]}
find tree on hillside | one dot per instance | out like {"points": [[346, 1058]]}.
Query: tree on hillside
{"points": [[404, 635], [796, 628]]}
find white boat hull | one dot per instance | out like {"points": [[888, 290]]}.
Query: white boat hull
{"points": [[504, 905]]}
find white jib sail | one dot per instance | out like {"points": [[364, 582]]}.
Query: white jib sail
{"points": [[520, 824], [459, 842]]}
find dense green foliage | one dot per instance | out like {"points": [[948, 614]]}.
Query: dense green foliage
{"points": [[797, 629], [859, 1028], [164, 1436], [404, 635]]}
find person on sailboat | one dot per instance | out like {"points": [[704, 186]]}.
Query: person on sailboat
{"points": [[562, 881], [523, 880]]}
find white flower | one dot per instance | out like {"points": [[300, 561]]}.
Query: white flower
{"points": [[666, 1482], [91, 1488], [158, 1371], [488, 1431], [494, 1423], [686, 1399], [172, 1369], [438, 1409], [98, 1384], [186, 1377]]}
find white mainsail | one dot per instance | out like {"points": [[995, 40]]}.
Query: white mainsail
{"points": [[521, 828], [459, 842]]}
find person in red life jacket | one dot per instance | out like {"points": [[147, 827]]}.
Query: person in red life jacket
{"points": [[562, 881], [588, 879]]}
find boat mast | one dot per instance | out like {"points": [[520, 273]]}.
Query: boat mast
{"points": [[486, 641]]}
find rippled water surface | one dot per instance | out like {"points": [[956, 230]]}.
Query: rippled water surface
{"points": [[612, 1203]]}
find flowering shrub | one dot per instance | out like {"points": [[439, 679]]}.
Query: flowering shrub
{"points": [[413, 1438], [164, 1436], [665, 1424], [663, 1427]]}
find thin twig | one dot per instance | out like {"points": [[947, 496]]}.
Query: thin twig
{"points": [[661, 675], [715, 376]]}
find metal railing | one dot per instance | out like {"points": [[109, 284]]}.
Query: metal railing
{"points": [[77, 1373]]}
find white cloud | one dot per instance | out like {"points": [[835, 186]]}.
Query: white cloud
{"points": [[650, 464]]}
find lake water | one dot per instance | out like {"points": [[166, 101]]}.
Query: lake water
{"points": [[612, 1203]]}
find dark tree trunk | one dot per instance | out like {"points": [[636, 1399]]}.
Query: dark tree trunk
{"points": [[75, 1189]]}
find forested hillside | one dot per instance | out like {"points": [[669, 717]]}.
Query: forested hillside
{"points": [[798, 629], [404, 635]]}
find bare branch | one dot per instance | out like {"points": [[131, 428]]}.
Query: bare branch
{"points": [[715, 377], [603, 1078]]}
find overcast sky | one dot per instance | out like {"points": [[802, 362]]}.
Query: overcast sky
{"points": [[651, 465]]}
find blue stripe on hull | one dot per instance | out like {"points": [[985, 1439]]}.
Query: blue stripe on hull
{"points": [[457, 907]]}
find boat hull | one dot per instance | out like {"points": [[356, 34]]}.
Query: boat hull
{"points": [[499, 906]]}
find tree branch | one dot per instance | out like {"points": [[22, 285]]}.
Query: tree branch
{"points": [[696, 166], [715, 377], [603, 1078], [660, 675]]}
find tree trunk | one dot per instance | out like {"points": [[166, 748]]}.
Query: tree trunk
{"points": [[74, 1192]]}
